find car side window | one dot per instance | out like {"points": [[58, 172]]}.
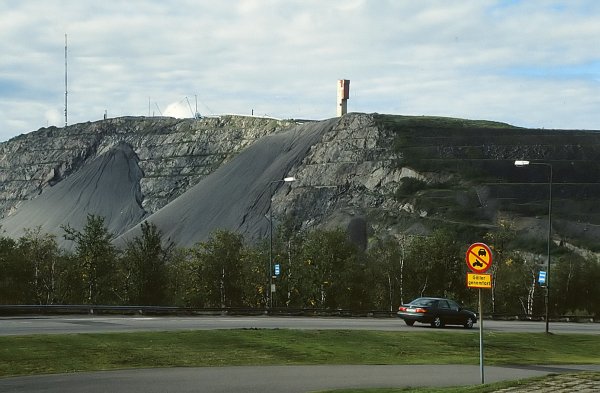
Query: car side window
{"points": [[443, 304], [453, 305], [423, 302]]}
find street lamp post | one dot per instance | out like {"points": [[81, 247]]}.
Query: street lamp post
{"points": [[522, 163], [270, 290]]}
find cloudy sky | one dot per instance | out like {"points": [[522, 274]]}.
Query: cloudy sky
{"points": [[533, 63]]}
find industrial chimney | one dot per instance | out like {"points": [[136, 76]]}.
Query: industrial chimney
{"points": [[343, 93]]}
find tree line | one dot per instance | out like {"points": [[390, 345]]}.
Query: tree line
{"points": [[320, 269]]}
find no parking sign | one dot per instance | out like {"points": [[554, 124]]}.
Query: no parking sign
{"points": [[479, 258]]}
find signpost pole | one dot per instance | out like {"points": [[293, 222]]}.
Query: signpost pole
{"points": [[481, 338], [479, 260]]}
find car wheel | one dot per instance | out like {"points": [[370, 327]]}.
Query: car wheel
{"points": [[469, 323], [409, 323], [437, 322]]}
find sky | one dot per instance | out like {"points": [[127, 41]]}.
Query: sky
{"points": [[530, 63]]}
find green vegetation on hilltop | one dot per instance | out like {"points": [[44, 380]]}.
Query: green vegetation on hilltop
{"points": [[469, 176], [435, 122]]}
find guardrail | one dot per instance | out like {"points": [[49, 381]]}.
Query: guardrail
{"points": [[70, 309], [53, 309]]}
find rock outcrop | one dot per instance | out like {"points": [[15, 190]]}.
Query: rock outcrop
{"points": [[173, 154], [194, 176], [108, 186]]}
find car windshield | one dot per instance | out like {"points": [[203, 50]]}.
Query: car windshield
{"points": [[422, 302]]}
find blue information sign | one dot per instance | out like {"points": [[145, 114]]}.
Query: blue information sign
{"points": [[542, 278], [277, 269]]}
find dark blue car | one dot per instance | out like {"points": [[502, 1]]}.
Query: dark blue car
{"points": [[437, 312]]}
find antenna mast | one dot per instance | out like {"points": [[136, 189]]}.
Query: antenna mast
{"points": [[66, 80]]}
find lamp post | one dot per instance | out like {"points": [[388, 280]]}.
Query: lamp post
{"points": [[270, 290], [522, 163]]}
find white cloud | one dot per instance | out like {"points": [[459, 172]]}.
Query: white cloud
{"points": [[179, 110], [54, 117], [529, 62]]}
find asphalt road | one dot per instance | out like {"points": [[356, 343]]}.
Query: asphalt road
{"points": [[272, 379], [109, 324]]}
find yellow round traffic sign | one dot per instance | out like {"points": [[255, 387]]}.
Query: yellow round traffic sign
{"points": [[479, 258]]}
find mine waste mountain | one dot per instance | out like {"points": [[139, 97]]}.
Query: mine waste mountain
{"points": [[374, 175]]}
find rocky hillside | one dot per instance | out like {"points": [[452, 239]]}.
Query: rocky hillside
{"points": [[378, 175], [173, 154]]}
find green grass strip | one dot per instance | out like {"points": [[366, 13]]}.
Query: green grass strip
{"points": [[39, 354]]}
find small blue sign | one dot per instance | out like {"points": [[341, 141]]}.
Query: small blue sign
{"points": [[542, 278], [277, 269]]}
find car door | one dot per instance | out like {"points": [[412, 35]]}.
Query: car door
{"points": [[444, 312], [456, 315]]}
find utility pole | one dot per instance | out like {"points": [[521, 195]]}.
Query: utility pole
{"points": [[66, 118]]}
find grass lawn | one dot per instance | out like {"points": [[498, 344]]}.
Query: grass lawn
{"points": [[39, 354]]}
